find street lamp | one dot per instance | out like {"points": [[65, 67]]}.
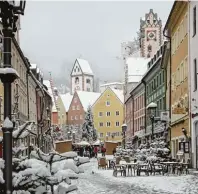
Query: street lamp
{"points": [[152, 109], [74, 133], [124, 128], [9, 11], [69, 134]]}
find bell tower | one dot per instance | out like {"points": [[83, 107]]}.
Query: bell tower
{"points": [[150, 34]]}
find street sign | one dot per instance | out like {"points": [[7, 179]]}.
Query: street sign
{"points": [[165, 116]]}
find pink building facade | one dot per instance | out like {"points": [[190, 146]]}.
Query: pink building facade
{"points": [[135, 114]]}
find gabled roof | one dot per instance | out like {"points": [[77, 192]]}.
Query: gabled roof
{"points": [[84, 65], [66, 99], [48, 85], [119, 94], [137, 67], [87, 98]]}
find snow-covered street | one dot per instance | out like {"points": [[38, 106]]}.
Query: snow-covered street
{"points": [[102, 182]]}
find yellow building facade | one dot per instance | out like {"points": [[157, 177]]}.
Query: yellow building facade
{"points": [[62, 120], [108, 115], [177, 28]]}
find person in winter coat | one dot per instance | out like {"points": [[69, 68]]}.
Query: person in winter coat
{"points": [[103, 150], [95, 151]]}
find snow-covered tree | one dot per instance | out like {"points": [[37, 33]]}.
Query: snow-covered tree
{"points": [[88, 130], [42, 173]]}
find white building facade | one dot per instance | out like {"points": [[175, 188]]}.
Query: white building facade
{"points": [[193, 84]]}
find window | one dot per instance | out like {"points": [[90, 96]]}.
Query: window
{"points": [[81, 117], [157, 82], [108, 124], [182, 31], [186, 67], [108, 114], [185, 25], [100, 124], [194, 21], [178, 76], [163, 76], [76, 117], [117, 123], [117, 113], [78, 107], [76, 80], [88, 81], [173, 44], [100, 114], [107, 103], [72, 118], [101, 134], [195, 74], [73, 107], [160, 79], [182, 72]]}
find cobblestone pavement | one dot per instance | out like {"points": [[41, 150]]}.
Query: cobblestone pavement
{"points": [[94, 181]]}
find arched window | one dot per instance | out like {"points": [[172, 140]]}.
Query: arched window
{"points": [[77, 80], [149, 48]]}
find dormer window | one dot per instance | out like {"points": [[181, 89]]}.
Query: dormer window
{"points": [[76, 80]]}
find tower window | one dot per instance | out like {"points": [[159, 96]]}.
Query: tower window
{"points": [[149, 48], [88, 81], [76, 80]]}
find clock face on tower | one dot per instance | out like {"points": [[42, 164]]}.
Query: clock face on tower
{"points": [[151, 35]]}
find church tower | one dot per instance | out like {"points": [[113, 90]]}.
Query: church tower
{"points": [[82, 77], [150, 34]]}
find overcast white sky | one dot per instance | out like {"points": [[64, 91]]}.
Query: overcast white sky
{"points": [[55, 33]]}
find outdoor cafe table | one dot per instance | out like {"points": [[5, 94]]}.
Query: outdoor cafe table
{"points": [[170, 166], [126, 165]]}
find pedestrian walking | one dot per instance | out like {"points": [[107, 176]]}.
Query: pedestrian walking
{"points": [[95, 151], [103, 150]]}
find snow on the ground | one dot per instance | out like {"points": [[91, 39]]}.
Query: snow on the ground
{"points": [[99, 181]]}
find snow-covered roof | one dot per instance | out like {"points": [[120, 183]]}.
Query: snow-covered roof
{"points": [[33, 66], [66, 99], [87, 98], [119, 94], [137, 67], [85, 66], [112, 83], [48, 85]]}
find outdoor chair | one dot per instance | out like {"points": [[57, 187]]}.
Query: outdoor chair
{"points": [[102, 163], [121, 170], [157, 169], [118, 159]]}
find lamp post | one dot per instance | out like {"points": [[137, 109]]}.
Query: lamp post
{"points": [[69, 135], [152, 109], [124, 128], [74, 133], [9, 11]]}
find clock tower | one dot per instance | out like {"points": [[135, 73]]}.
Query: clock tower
{"points": [[150, 34]]}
